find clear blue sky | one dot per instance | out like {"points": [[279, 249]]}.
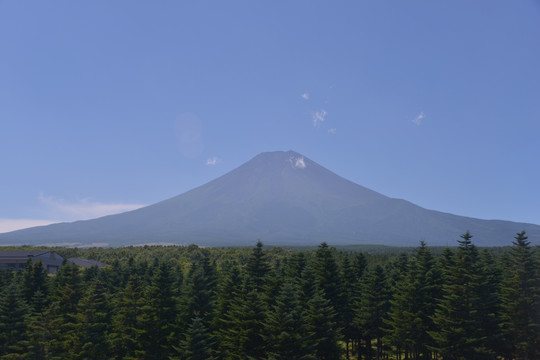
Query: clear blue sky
{"points": [[110, 105]]}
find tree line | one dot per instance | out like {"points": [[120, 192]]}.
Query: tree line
{"points": [[157, 302]]}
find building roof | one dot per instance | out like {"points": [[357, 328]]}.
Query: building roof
{"points": [[21, 254]]}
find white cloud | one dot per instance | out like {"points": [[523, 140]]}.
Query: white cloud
{"points": [[418, 120], [7, 225], [83, 209], [305, 96], [319, 117], [332, 131], [212, 161], [64, 211]]}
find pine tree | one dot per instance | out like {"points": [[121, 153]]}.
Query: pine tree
{"points": [[199, 294], [198, 300], [397, 270], [372, 309], [352, 331], [242, 336], [488, 312], [413, 305], [521, 302], [93, 324], [296, 265], [63, 310], [459, 328], [227, 289], [349, 281], [13, 311], [127, 322], [285, 330], [159, 315], [198, 343], [6, 278], [34, 280], [446, 264], [257, 269], [322, 325], [308, 285], [327, 276], [38, 331], [351, 278]]}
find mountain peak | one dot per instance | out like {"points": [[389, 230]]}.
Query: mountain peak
{"points": [[276, 161], [279, 155]]}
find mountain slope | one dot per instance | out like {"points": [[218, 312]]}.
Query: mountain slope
{"points": [[280, 198]]}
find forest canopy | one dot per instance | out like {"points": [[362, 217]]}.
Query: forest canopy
{"points": [[188, 302]]}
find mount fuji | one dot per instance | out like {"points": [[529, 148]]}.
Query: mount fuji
{"points": [[281, 198]]}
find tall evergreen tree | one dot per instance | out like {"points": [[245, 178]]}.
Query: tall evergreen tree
{"points": [[413, 305], [127, 323], [446, 264], [349, 280], [34, 280], [242, 336], [351, 330], [199, 298], [159, 315], [327, 275], [6, 277], [459, 334], [359, 265], [242, 317], [38, 333], [323, 327], [488, 312], [93, 324], [285, 330], [228, 289], [63, 311], [198, 343], [13, 311], [352, 275], [397, 270], [308, 285], [329, 280], [521, 302], [257, 269], [296, 265], [372, 309], [199, 294]]}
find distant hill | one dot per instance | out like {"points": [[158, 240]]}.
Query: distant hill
{"points": [[282, 198]]}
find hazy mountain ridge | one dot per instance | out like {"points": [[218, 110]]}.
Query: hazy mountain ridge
{"points": [[282, 198]]}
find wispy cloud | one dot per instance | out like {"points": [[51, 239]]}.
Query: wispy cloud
{"points": [[212, 161], [83, 209], [418, 120], [319, 117], [60, 210], [305, 96], [332, 131], [7, 225]]}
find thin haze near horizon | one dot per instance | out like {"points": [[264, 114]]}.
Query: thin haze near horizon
{"points": [[109, 106]]}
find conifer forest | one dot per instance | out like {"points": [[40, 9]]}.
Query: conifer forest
{"points": [[188, 302]]}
